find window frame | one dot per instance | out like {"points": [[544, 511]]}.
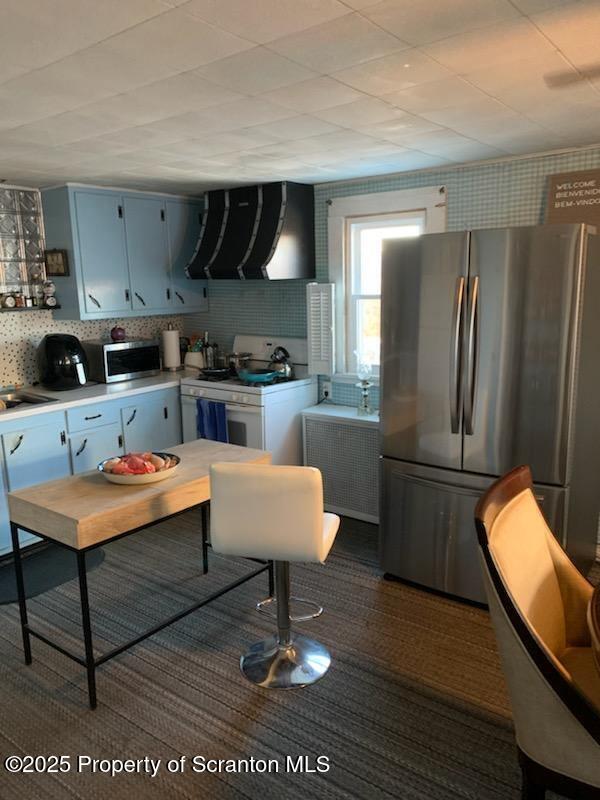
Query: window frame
{"points": [[430, 200]]}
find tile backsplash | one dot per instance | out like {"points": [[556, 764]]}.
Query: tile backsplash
{"points": [[20, 332]]}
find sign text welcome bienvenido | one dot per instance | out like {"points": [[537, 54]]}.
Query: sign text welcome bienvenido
{"points": [[574, 197]]}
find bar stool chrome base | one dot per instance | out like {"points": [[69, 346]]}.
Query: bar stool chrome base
{"points": [[285, 666], [269, 607]]}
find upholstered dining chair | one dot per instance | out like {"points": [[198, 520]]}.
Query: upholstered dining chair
{"points": [[538, 603]]}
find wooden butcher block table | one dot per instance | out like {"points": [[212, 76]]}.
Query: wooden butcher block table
{"points": [[85, 511]]}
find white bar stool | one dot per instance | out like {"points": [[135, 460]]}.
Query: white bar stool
{"points": [[274, 513]]}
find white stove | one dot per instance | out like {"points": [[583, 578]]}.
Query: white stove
{"points": [[267, 417]]}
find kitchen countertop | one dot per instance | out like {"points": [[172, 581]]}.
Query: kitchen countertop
{"points": [[345, 413], [94, 393]]}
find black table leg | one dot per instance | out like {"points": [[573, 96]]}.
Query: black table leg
{"points": [[90, 664], [271, 580], [14, 532], [204, 513]]}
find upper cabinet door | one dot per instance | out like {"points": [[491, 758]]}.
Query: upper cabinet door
{"points": [[147, 249], [103, 252], [184, 220]]}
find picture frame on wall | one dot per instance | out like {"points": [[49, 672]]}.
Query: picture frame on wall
{"points": [[57, 263]]}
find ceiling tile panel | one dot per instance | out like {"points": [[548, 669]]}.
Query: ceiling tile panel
{"points": [[297, 127], [176, 41], [575, 30], [359, 113], [338, 44], [393, 73], [420, 22], [493, 46], [255, 71], [38, 32], [265, 20], [431, 96], [313, 95]]}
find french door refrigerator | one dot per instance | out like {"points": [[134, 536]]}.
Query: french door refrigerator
{"points": [[490, 359]]}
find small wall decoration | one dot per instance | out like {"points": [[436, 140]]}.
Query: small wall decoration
{"points": [[574, 197], [57, 263]]}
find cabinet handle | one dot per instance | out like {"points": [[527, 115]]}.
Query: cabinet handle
{"points": [[94, 416], [166, 412], [82, 448], [180, 297], [127, 295], [93, 299], [63, 437], [162, 215], [132, 417], [140, 298], [120, 440], [168, 294], [120, 211], [18, 444]]}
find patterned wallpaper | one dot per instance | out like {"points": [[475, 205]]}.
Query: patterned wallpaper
{"points": [[21, 331], [510, 192]]}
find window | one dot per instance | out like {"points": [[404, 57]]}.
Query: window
{"points": [[358, 226]]}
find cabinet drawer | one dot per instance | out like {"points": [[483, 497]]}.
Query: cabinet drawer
{"points": [[92, 416]]}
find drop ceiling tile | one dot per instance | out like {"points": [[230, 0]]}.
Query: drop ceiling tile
{"points": [[177, 41], [265, 20], [359, 113], [391, 130], [343, 140], [228, 117], [493, 46], [141, 136], [177, 95], [393, 73], [419, 23], [530, 7], [451, 145], [446, 93], [255, 71], [297, 127], [68, 127], [36, 33], [574, 29], [522, 85], [338, 44], [213, 144], [313, 95]]}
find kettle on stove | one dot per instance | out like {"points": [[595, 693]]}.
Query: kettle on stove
{"points": [[280, 362]]}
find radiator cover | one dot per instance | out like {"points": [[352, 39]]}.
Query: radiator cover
{"points": [[348, 456]]}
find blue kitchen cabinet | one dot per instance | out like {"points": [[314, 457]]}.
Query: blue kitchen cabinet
{"points": [[102, 252], [153, 422], [148, 253], [184, 220], [127, 252], [33, 451], [89, 448]]}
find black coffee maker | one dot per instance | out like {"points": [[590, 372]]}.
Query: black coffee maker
{"points": [[62, 362]]}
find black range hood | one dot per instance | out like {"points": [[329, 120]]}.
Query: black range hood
{"points": [[256, 232]]}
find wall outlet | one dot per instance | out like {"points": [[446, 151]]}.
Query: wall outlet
{"points": [[326, 390]]}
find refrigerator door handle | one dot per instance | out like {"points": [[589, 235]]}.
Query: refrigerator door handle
{"points": [[455, 348], [471, 356]]}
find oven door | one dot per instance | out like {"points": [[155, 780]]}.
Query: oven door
{"points": [[245, 424]]}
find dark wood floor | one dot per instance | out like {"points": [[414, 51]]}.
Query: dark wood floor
{"points": [[414, 705]]}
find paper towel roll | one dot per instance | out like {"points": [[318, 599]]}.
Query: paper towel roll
{"points": [[171, 352]]}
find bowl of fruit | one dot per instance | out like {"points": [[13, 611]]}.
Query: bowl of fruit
{"points": [[139, 468]]}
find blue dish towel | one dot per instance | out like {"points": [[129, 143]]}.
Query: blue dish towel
{"points": [[211, 420]]}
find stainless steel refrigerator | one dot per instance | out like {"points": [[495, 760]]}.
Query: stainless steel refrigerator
{"points": [[490, 359]]}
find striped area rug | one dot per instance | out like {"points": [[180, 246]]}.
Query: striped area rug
{"points": [[414, 705]]}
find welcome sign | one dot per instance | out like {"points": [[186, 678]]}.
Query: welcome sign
{"points": [[574, 197]]}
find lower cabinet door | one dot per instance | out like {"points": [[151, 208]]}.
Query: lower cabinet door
{"points": [[88, 448], [152, 424], [32, 454]]}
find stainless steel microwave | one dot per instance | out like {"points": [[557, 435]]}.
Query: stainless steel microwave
{"points": [[110, 362]]}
